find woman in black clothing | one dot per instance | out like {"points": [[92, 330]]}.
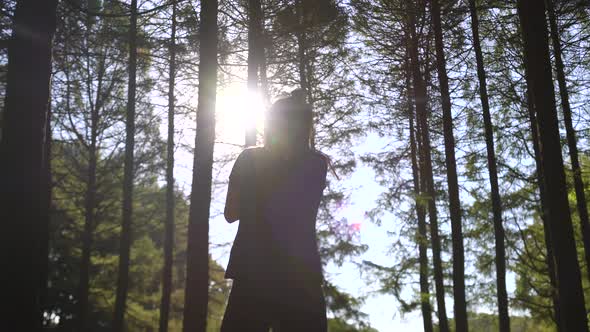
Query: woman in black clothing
{"points": [[275, 192]]}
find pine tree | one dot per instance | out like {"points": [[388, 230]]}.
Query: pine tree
{"points": [[453, 185], [419, 89], [421, 236], [127, 208], [255, 59], [23, 188], [197, 278], [170, 204], [571, 296], [499, 235], [572, 141], [550, 257]]}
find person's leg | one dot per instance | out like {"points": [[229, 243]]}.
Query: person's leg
{"points": [[303, 309], [244, 312]]}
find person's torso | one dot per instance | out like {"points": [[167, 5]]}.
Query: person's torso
{"points": [[279, 204]]}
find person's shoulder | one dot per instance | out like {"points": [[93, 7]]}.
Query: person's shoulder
{"points": [[320, 158], [255, 149], [320, 155], [251, 152], [245, 160]]}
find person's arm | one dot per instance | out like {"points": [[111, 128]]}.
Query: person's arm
{"points": [[232, 201]]}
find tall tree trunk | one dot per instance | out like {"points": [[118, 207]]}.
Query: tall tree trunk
{"points": [[426, 171], [128, 172], [170, 204], [46, 214], [255, 59], [571, 134], [421, 236], [542, 196], [571, 296], [301, 45], [460, 306], [23, 188], [90, 197], [90, 204], [197, 276], [493, 174], [303, 59], [264, 78]]}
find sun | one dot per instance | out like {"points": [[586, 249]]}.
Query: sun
{"points": [[238, 109]]}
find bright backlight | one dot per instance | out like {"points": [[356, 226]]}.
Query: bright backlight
{"points": [[237, 110]]}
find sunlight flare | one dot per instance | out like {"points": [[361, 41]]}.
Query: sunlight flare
{"points": [[237, 110]]}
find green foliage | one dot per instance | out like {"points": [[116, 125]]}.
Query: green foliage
{"points": [[339, 325], [146, 254], [489, 323], [533, 287]]}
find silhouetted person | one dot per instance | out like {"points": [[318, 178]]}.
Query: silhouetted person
{"points": [[275, 192]]}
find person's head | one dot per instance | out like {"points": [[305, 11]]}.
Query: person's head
{"points": [[289, 123]]}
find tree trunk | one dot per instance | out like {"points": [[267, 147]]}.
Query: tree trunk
{"points": [[23, 187], [128, 172], [571, 135], [421, 236], [90, 198], [493, 174], [571, 296], [460, 307], [46, 212], [542, 195], [420, 100], [264, 79], [301, 45], [303, 60], [83, 283], [170, 204], [197, 276], [87, 235], [255, 59]]}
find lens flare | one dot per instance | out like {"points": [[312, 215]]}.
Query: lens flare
{"points": [[356, 226]]}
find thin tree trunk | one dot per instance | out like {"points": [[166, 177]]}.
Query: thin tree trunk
{"points": [[301, 45], [303, 60], [46, 212], [23, 188], [197, 276], [128, 171], [170, 204], [264, 78], [420, 100], [571, 135], [255, 59], [83, 283], [421, 236], [90, 204], [460, 306], [501, 292], [571, 296], [90, 199], [546, 230]]}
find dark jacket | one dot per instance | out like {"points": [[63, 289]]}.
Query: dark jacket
{"points": [[279, 202]]}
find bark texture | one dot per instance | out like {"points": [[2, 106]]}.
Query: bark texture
{"points": [[197, 281], [571, 296], [23, 185]]}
